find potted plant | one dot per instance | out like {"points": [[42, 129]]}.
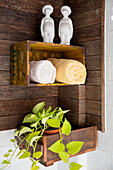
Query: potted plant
{"points": [[33, 127]]}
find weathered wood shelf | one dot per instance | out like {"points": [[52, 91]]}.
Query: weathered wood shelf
{"points": [[24, 52], [88, 135]]}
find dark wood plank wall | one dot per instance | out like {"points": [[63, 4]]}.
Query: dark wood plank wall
{"points": [[20, 20], [88, 20]]}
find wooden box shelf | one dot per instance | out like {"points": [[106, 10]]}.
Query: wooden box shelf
{"points": [[88, 135], [24, 52]]}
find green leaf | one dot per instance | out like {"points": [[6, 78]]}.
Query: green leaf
{"points": [[44, 120], [25, 130], [74, 147], [10, 150], [6, 155], [64, 156], [61, 113], [6, 162], [35, 168], [34, 163], [30, 118], [38, 107], [53, 122], [26, 154], [37, 155], [75, 166], [34, 139], [32, 135], [49, 109], [13, 140], [16, 133], [57, 147], [21, 151], [35, 124], [66, 128]]}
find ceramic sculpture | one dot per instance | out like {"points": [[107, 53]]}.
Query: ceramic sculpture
{"points": [[65, 26], [47, 25]]}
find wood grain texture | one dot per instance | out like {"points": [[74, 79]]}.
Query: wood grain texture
{"points": [[87, 33], [18, 92], [4, 63], [82, 6], [15, 107], [86, 135], [88, 21]]}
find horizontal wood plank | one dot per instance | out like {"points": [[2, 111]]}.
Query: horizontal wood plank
{"points": [[93, 78], [93, 107], [4, 62], [15, 107], [87, 19], [21, 92], [94, 120], [93, 63], [83, 6], [93, 93], [34, 7], [4, 77], [72, 92], [87, 33]]}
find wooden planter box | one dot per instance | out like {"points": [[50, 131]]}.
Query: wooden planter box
{"points": [[88, 135], [24, 52]]}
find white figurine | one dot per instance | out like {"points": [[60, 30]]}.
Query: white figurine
{"points": [[47, 25], [65, 26]]}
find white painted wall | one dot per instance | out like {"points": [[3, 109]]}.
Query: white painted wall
{"points": [[102, 158]]}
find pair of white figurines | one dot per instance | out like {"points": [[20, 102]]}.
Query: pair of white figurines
{"points": [[65, 26]]}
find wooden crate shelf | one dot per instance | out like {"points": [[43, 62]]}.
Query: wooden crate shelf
{"points": [[24, 52], [88, 135]]}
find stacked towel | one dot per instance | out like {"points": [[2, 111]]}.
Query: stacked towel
{"points": [[42, 72], [69, 71]]}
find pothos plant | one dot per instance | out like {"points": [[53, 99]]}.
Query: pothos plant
{"points": [[33, 127]]}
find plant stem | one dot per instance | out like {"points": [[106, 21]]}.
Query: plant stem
{"points": [[14, 152]]}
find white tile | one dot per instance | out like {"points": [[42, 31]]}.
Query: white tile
{"points": [[108, 141], [109, 92], [112, 162], [101, 160], [108, 2], [6, 136], [100, 140], [111, 68], [107, 12], [89, 160], [108, 68], [111, 17], [109, 43], [108, 116]]}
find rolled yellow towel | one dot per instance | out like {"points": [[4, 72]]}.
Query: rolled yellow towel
{"points": [[69, 71]]}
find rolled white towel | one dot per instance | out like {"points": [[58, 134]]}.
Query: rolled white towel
{"points": [[42, 72]]}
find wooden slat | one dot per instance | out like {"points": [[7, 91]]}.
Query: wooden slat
{"points": [[87, 33], [15, 107], [34, 7], [93, 107], [4, 62], [82, 6], [93, 63], [5, 47], [93, 93], [93, 78], [87, 19], [18, 92], [95, 120], [72, 92], [4, 78]]}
